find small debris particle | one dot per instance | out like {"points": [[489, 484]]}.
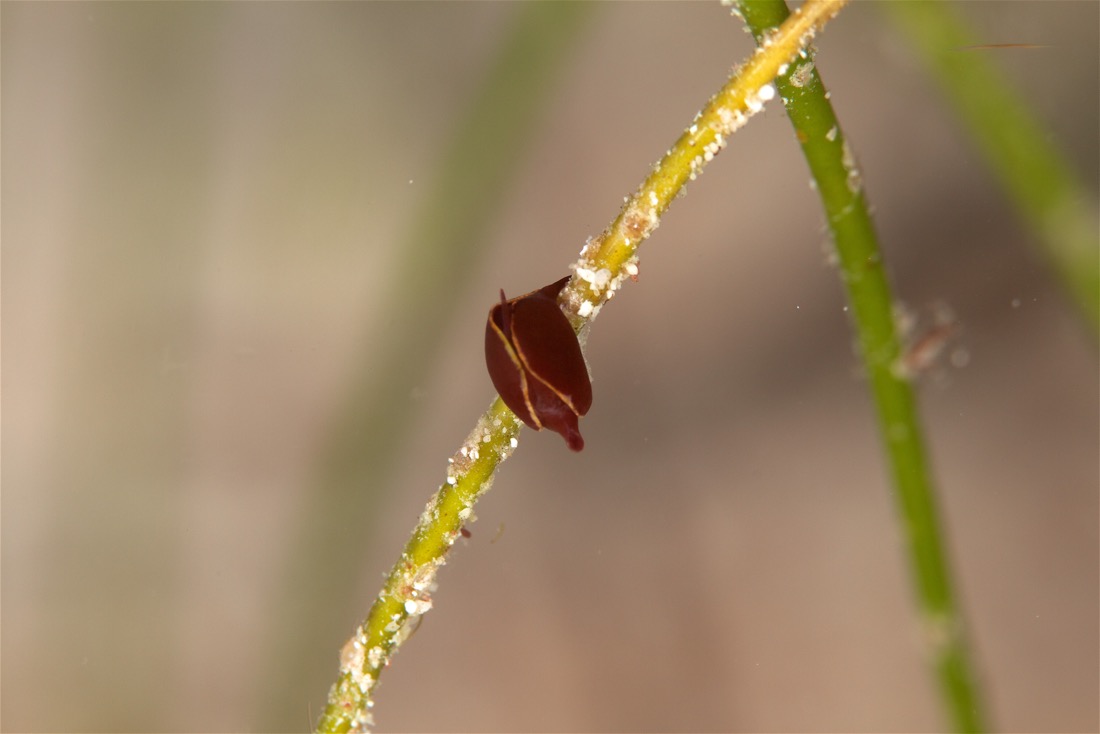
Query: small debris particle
{"points": [[416, 607], [802, 73], [848, 160], [375, 657]]}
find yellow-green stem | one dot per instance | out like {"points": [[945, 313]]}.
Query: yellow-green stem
{"points": [[604, 262]]}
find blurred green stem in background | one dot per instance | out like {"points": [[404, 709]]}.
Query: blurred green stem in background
{"points": [[1036, 177], [445, 244], [835, 172]]}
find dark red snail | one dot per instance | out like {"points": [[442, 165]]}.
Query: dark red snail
{"points": [[535, 362]]}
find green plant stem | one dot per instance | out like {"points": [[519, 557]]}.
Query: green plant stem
{"points": [[406, 594], [605, 260], [444, 244], [838, 182], [1032, 171]]}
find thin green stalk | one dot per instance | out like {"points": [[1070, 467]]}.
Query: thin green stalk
{"points": [[1033, 172], [604, 262], [445, 243], [838, 182]]}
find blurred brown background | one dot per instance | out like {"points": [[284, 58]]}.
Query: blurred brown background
{"points": [[203, 206]]}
